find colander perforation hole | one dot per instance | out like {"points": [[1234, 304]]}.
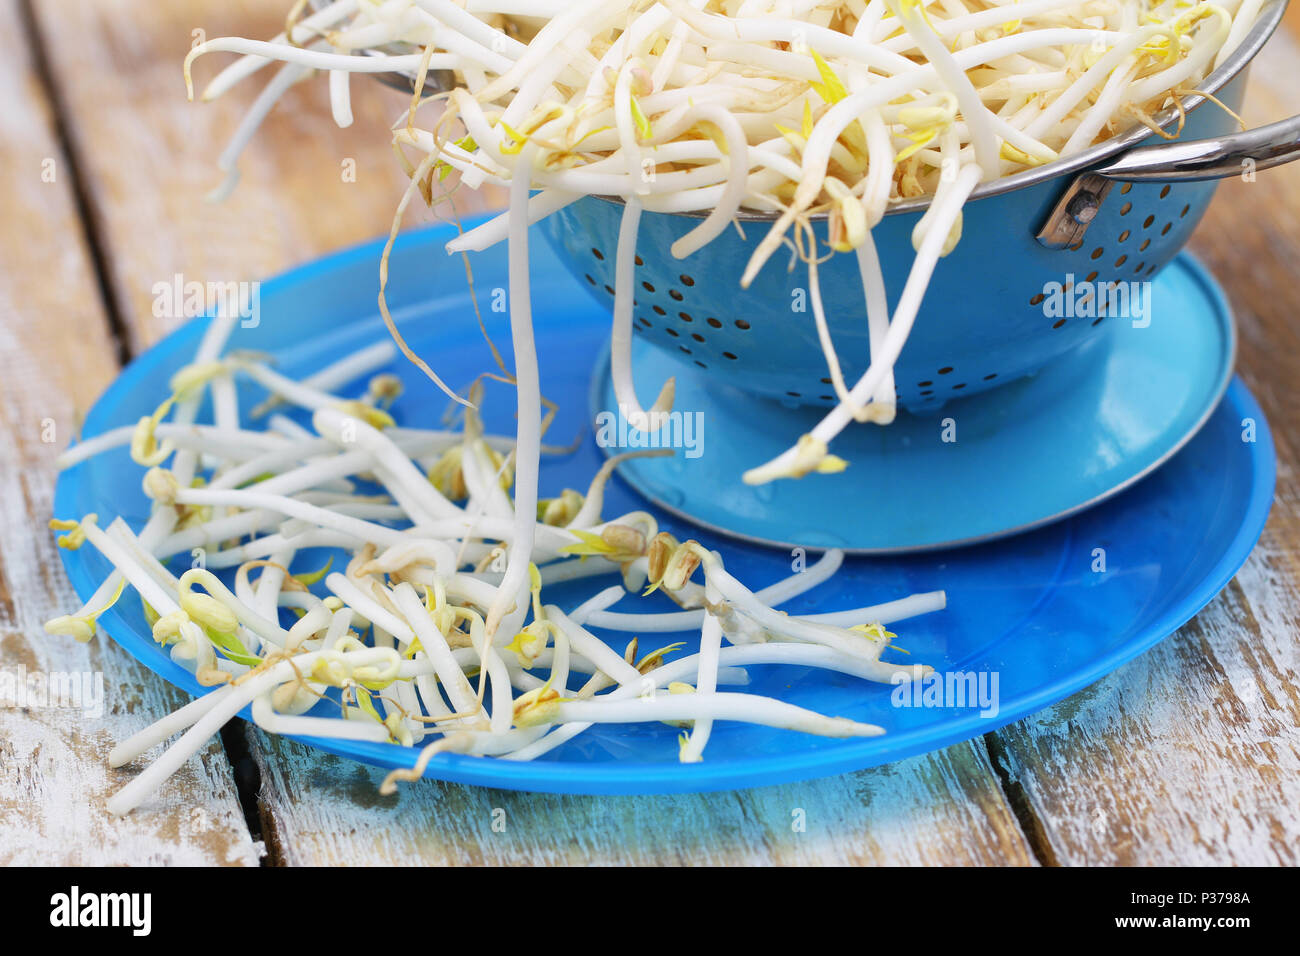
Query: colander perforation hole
{"points": [[1123, 236], [959, 385], [685, 317], [713, 323], [729, 355], [1091, 275], [1165, 230], [1097, 321], [672, 332], [1151, 268], [686, 280], [1146, 223], [1120, 261], [609, 289], [1124, 190], [927, 392], [1058, 323], [742, 324], [1125, 209], [1186, 210], [700, 364], [659, 310], [644, 321], [991, 376], [1098, 252], [697, 337], [1164, 192], [1143, 247], [1039, 297], [684, 349], [597, 253], [946, 370], [677, 296], [638, 260], [1139, 268], [647, 286], [795, 394], [590, 279], [827, 398], [925, 384], [1076, 245]]}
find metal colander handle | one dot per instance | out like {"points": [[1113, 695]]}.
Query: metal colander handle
{"points": [[1178, 162], [1212, 158]]}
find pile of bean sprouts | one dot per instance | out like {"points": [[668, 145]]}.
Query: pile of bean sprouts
{"points": [[435, 631], [405, 630], [796, 108]]}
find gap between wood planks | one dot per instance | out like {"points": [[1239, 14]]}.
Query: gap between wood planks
{"points": [[1031, 826], [41, 67], [244, 770]]}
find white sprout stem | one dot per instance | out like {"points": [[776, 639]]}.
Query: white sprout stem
{"points": [[706, 683], [972, 107], [435, 646], [168, 726], [528, 386], [136, 574], [621, 335], [811, 655], [228, 443], [750, 708], [671, 621], [271, 94], [320, 60], [139, 789], [322, 517], [595, 650], [340, 98], [306, 29], [899, 328], [597, 603], [495, 230], [737, 164]]}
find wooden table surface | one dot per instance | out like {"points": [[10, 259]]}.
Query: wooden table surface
{"points": [[1189, 754]]}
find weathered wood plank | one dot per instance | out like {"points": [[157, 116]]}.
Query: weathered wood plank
{"points": [[56, 354], [149, 156], [946, 807], [942, 808], [1191, 754]]}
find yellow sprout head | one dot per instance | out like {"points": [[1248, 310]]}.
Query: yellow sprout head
{"points": [[537, 706]]}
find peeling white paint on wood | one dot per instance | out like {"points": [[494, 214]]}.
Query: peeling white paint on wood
{"points": [[941, 808], [55, 356]]}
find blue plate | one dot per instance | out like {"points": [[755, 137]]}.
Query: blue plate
{"points": [[1027, 453], [1042, 614]]}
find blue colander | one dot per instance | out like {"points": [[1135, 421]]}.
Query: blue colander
{"points": [[985, 318]]}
